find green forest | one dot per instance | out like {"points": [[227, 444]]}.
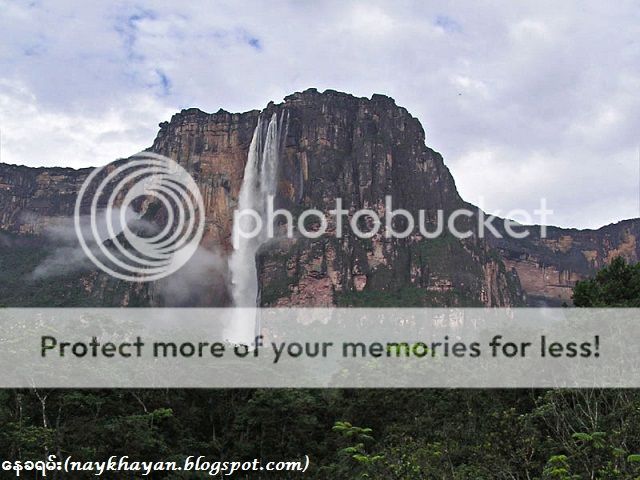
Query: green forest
{"points": [[351, 434]]}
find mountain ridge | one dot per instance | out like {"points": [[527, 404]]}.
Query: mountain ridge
{"points": [[341, 145]]}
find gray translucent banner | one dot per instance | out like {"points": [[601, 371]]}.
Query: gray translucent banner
{"points": [[352, 348]]}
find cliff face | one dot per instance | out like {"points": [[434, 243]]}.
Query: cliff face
{"points": [[33, 198], [334, 146], [549, 267], [361, 150], [213, 148], [358, 150]]}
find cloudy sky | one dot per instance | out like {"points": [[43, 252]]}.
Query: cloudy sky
{"points": [[523, 101]]}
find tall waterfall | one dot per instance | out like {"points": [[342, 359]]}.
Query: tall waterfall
{"points": [[260, 181]]}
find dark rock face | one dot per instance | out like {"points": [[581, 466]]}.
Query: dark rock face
{"points": [[32, 198], [361, 150], [213, 148], [549, 267], [336, 146]]}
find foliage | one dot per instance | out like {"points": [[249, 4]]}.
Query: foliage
{"points": [[354, 458], [616, 285]]}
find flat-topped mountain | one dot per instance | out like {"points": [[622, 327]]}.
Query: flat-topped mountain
{"points": [[333, 145]]}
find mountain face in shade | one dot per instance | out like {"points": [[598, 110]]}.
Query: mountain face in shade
{"points": [[334, 146]]}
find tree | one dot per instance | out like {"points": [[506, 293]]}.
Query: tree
{"points": [[616, 285], [593, 431], [355, 460]]}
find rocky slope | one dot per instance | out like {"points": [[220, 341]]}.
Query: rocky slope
{"points": [[549, 267], [335, 146]]}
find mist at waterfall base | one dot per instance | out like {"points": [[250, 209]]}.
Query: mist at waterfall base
{"points": [[259, 182]]}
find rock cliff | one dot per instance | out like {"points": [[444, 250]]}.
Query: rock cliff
{"points": [[549, 267], [334, 146]]}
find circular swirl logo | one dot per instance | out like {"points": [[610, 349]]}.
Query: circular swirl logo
{"points": [[127, 201]]}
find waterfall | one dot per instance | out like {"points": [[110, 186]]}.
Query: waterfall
{"points": [[260, 181]]}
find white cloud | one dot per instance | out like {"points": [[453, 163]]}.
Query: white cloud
{"points": [[548, 88], [35, 135]]}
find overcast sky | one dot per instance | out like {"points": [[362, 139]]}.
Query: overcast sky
{"points": [[523, 101]]}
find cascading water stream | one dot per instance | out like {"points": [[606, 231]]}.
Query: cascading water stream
{"points": [[259, 182]]}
